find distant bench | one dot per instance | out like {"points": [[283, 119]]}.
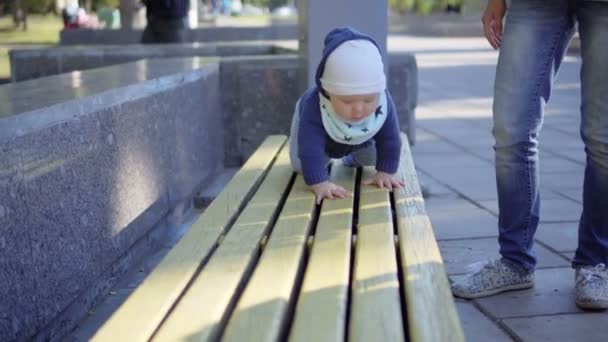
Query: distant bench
{"points": [[263, 263]]}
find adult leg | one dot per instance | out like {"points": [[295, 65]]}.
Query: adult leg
{"points": [[593, 228], [536, 36], [591, 290], [533, 44]]}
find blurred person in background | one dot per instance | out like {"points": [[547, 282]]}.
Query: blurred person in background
{"points": [[167, 21]]}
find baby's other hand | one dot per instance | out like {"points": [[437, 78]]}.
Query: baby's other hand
{"points": [[328, 190], [384, 181]]}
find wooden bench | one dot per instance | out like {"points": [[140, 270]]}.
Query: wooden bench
{"points": [[264, 263]]}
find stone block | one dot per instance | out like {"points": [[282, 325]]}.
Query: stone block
{"points": [[205, 34], [89, 171], [33, 63]]}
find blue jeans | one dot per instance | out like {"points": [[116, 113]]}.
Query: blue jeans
{"points": [[536, 35]]}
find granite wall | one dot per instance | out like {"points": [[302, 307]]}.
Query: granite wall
{"points": [[204, 34], [33, 63], [90, 163]]}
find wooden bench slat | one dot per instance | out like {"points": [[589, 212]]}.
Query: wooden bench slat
{"points": [[142, 312], [261, 312], [431, 311], [199, 312], [375, 303], [321, 309]]}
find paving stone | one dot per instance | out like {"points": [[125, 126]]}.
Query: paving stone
{"points": [[441, 163], [476, 181], [458, 218], [569, 255], [476, 189], [478, 327], [563, 180], [588, 327], [556, 140], [433, 189], [424, 148], [562, 237], [553, 293], [551, 163], [556, 208], [458, 254], [427, 142], [573, 194], [486, 153], [574, 154]]}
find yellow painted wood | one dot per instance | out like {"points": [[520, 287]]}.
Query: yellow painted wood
{"points": [[198, 314], [142, 312], [375, 302], [261, 312], [431, 311], [320, 313]]}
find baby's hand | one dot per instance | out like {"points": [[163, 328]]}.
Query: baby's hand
{"points": [[384, 181], [328, 190]]}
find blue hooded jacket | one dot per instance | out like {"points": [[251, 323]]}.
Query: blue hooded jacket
{"points": [[314, 144]]}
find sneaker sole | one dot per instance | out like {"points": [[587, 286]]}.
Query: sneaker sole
{"points": [[592, 306], [492, 292]]}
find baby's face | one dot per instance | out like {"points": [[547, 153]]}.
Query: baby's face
{"points": [[354, 108]]}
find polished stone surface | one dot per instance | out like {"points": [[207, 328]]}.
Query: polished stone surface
{"points": [[32, 105], [203, 34], [259, 94], [88, 170], [33, 63]]}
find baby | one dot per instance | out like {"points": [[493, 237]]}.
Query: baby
{"points": [[349, 114]]}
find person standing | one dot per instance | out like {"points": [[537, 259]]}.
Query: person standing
{"points": [[167, 21], [532, 47]]}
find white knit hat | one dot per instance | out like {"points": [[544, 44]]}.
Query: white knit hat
{"points": [[354, 68]]}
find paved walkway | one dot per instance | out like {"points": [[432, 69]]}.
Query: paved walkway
{"points": [[454, 158]]}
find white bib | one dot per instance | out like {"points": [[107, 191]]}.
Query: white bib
{"points": [[352, 133]]}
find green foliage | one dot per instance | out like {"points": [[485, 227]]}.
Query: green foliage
{"points": [[421, 6], [259, 3], [97, 4], [38, 6], [402, 5]]}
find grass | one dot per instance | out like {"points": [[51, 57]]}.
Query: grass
{"points": [[5, 68], [241, 20], [41, 30]]}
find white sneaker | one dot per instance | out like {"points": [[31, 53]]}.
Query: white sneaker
{"points": [[489, 278], [591, 287]]}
